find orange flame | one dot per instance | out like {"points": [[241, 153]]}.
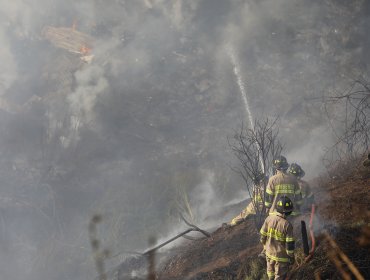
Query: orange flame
{"points": [[85, 50]]}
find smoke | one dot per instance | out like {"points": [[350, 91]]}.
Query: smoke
{"points": [[149, 116], [7, 75], [309, 154], [91, 83], [204, 197]]}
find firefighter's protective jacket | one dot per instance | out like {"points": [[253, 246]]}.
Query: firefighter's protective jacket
{"points": [[257, 203], [277, 238], [255, 206], [283, 184]]}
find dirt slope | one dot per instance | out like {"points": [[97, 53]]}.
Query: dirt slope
{"points": [[344, 213], [231, 253], [345, 199], [218, 257]]}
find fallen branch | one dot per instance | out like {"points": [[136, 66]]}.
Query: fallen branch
{"points": [[182, 234], [195, 227], [339, 258]]}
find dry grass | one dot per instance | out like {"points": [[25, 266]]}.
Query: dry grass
{"points": [[253, 269]]}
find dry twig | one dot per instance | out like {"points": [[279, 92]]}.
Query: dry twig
{"points": [[354, 140], [255, 148], [339, 259]]}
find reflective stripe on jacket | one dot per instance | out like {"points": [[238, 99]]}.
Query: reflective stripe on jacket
{"points": [[258, 194], [277, 238], [283, 184]]}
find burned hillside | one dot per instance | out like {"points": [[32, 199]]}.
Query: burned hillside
{"points": [[125, 109], [232, 252]]}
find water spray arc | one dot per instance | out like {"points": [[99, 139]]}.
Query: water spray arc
{"points": [[236, 68]]}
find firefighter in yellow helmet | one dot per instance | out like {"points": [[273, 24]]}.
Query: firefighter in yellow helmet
{"points": [[307, 194], [256, 204], [278, 241], [282, 184]]}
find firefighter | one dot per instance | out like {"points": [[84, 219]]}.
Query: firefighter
{"points": [[307, 194], [278, 241], [256, 205], [282, 184]]}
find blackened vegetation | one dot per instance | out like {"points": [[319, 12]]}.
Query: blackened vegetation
{"points": [[322, 265], [353, 131], [343, 209]]}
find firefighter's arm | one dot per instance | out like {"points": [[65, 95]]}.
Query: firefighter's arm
{"points": [[269, 196], [290, 243], [238, 219], [263, 233], [298, 195]]}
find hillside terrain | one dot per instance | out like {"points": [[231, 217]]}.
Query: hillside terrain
{"points": [[232, 253], [125, 112]]}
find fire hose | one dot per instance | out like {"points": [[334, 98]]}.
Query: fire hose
{"points": [[313, 241]]}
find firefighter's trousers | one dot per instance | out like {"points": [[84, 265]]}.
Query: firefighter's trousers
{"points": [[277, 270]]}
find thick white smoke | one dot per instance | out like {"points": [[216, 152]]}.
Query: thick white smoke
{"points": [[9, 73], [90, 84], [151, 111]]}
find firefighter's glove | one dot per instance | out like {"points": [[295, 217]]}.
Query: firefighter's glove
{"points": [[291, 260]]}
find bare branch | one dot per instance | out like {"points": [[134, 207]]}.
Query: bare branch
{"points": [[255, 150], [354, 139]]}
